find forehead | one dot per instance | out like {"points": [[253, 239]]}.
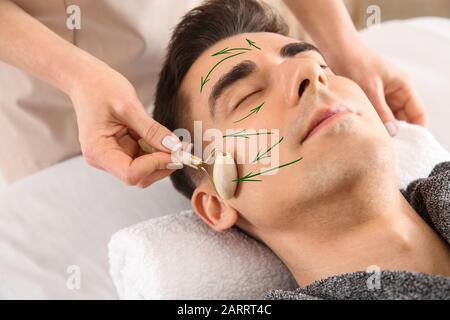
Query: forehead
{"points": [[226, 53]]}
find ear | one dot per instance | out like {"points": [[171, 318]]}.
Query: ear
{"points": [[213, 210]]}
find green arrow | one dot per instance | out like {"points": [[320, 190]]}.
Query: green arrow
{"points": [[247, 177], [260, 156], [251, 174], [203, 81], [252, 44], [245, 135], [252, 111], [227, 51]]}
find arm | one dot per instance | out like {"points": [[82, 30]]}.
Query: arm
{"points": [[390, 90], [106, 104], [29, 45], [328, 23]]}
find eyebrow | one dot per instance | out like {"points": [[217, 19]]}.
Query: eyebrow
{"points": [[247, 67], [238, 72], [291, 49]]}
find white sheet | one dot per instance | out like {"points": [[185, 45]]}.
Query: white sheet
{"points": [[65, 216], [2, 181]]}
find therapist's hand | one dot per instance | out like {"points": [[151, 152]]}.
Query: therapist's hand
{"points": [[110, 116], [389, 89], [110, 120]]}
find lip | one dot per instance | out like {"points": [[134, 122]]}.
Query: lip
{"points": [[322, 118]]}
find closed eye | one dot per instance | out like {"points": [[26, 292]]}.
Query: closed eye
{"points": [[245, 98], [323, 66]]}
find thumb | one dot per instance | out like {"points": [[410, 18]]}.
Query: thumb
{"points": [[384, 111], [153, 133], [132, 171]]}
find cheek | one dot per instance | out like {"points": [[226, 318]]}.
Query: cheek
{"points": [[263, 203], [352, 95], [269, 115]]}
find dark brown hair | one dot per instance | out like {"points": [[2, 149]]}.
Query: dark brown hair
{"points": [[198, 30]]}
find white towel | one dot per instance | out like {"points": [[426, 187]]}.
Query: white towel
{"points": [[417, 153], [179, 257]]}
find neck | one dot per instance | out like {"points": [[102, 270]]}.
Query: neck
{"points": [[370, 224]]}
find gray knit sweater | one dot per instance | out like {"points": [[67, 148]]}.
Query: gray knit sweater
{"points": [[430, 197]]}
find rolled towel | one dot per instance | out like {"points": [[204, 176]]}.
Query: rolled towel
{"points": [[179, 257], [417, 152]]}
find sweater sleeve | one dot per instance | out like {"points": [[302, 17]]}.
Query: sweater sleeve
{"points": [[430, 197]]}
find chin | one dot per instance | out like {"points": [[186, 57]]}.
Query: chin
{"points": [[346, 128], [342, 160]]}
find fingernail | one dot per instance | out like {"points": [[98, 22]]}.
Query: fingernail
{"points": [[171, 142], [174, 166], [391, 128]]}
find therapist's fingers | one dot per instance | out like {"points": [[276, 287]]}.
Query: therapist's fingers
{"points": [[404, 101], [415, 110], [401, 115], [134, 171], [154, 133], [376, 96], [128, 143], [153, 177]]}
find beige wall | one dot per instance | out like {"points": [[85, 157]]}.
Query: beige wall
{"points": [[389, 9], [398, 9]]}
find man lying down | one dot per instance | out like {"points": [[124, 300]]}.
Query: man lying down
{"points": [[337, 213]]}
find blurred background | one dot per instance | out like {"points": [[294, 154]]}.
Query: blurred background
{"points": [[398, 9], [389, 9]]}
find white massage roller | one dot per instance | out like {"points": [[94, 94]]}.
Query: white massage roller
{"points": [[225, 172]]}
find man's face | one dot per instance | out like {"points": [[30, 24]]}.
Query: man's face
{"points": [[297, 89]]}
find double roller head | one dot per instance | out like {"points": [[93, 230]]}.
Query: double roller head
{"points": [[225, 172], [224, 175]]}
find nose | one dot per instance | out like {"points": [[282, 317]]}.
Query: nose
{"points": [[301, 75]]}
